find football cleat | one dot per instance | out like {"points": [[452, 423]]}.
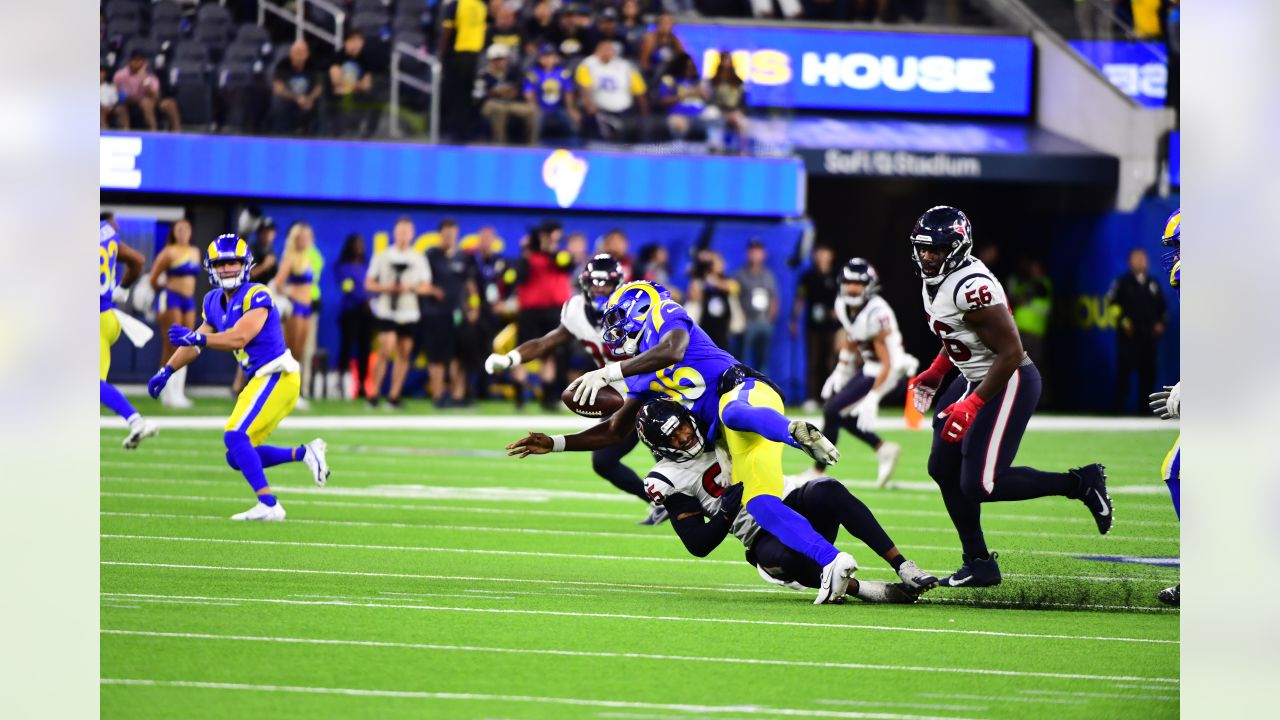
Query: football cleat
{"points": [[813, 442], [138, 432], [657, 515], [915, 578], [886, 461], [883, 592], [315, 461], [1093, 493], [835, 579], [262, 512], [974, 572], [1171, 596]]}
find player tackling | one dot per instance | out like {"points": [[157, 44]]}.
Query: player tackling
{"points": [[986, 409]]}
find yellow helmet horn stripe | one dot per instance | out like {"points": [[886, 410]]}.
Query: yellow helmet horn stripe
{"points": [[1172, 226]]}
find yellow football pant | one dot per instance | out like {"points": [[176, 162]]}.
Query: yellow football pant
{"points": [[263, 403], [108, 333], [757, 461]]}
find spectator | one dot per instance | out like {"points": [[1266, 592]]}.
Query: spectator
{"points": [[729, 96], [295, 90], [576, 246], [490, 268], [108, 99], [1141, 323], [1031, 295], [355, 320], [352, 83], [613, 94], [139, 90], [506, 30], [542, 287], [498, 91], [445, 319], [569, 34], [549, 89], [816, 299], [461, 41], [759, 299], [712, 295], [632, 27], [660, 45], [265, 261], [293, 286], [397, 278], [615, 244], [655, 266], [683, 97], [540, 27], [607, 29]]}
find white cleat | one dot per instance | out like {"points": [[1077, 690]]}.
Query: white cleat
{"points": [[835, 579], [886, 460], [915, 578], [813, 442], [138, 432], [302, 404], [882, 592], [314, 459], [262, 512]]}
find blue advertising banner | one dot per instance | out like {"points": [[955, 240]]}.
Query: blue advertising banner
{"points": [[339, 171], [1139, 69], [885, 71]]}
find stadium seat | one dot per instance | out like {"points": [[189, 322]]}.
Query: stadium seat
{"points": [[136, 9], [371, 25], [166, 30], [191, 90], [146, 44], [122, 28], [166, 10], [239, 90], [406, 23], [244, 53], [214, 28], [382, 7], [190, 51], [413, 38], [249, 33]]}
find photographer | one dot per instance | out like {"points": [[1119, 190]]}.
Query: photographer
{"points": [[542, 287], [711, 296], [397, 276]]}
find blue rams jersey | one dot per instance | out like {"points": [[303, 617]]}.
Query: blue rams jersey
{"points": [[548, 86], [108, 279], [693, 380], [222, 313]]}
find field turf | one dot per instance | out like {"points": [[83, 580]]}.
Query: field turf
{"points": [[435, 577]]}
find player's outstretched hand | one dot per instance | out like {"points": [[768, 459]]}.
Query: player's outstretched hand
{"points": [[158, 381], [867, 411], [1167, 404], [535, 443], [180, 336], [731, 502]]}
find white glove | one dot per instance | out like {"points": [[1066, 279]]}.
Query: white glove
{"points": [[838, 377], [588, 385], [497, 363], [867, 411], [143, 296], [119, 295], [1167, 404]]}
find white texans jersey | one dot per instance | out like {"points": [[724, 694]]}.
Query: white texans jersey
{"points": [[875, 317], [705, 478], [969, 287], [573, 315]]}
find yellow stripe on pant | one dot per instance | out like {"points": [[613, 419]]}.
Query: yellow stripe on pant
{"points": [[1171, 468], [264, 402], [108, 333], [757, 461]]}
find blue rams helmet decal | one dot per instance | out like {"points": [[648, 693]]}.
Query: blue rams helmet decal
{"points": [[228, 248]]}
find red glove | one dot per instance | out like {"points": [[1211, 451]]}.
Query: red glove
{"points": [[959, 416], [933, 375]]}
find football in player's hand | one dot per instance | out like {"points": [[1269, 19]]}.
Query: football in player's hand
{"points": [[608, 402]]}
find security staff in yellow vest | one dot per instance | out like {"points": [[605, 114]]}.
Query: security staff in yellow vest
{"points": [[461, 41]]}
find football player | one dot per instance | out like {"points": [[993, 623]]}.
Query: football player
{"points": [[1167, 404], [580, 320], [112, 252], [872, 363], [986, 409], [706, 506], [240, 317], [669, 356]]}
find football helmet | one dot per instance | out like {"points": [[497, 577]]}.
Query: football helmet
{"points": [[228, 248], [598, 279], [627, 311], [942, 227], [1172, 239], [660, 421], [858, 270]]}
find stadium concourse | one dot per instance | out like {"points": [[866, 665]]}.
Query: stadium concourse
{"points": [[434, 575]]}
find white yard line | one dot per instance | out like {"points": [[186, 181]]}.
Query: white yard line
{"points": [[573, 422], [719, 661], [1111, 696], [579, 702], [659, 618]]}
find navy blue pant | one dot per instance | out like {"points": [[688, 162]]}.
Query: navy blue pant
{"points": [[852, 392], [828, 506], [607, 463], [979, 469]]}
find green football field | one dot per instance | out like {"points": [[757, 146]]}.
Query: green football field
{"points": [[435, 577]]}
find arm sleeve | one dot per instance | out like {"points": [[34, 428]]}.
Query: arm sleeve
{"points": [[699, 533], [637, 83], [582, 76]]}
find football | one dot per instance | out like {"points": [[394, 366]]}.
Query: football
{"points": [[608, 401]]}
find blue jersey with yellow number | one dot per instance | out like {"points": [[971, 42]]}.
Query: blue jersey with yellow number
{"points": [[222, 313], [693, 380], [108, 248]]}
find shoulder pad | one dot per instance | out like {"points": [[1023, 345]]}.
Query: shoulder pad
{"points": [[975, 291], [257, 296]]}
